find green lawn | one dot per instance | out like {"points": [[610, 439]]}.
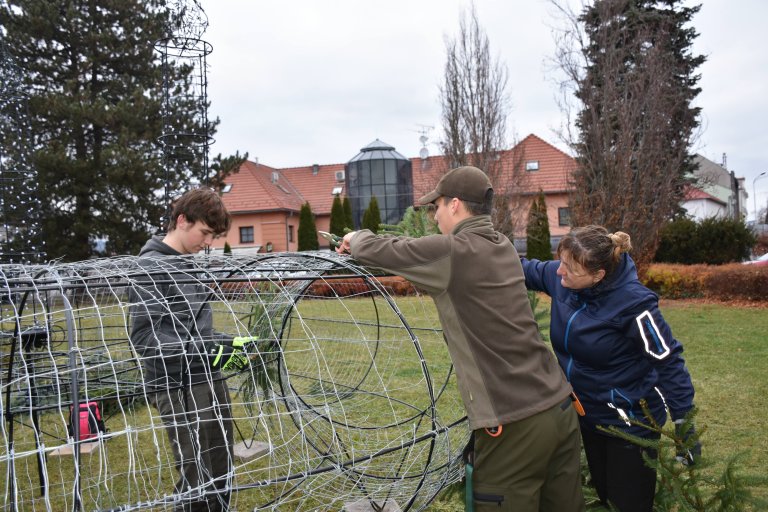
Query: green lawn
{"points": [[332, 351], [726, 349]]}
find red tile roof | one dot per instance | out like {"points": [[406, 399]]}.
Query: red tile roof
{"points": [[692, 193], [254, 190], [555, 168], [316, 188]]}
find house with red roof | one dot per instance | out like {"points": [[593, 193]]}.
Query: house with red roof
{"points": [[701, 205], [265, 201]]}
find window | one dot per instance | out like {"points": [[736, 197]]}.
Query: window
{"points": [[226, 188], [532, 165], [290, 233], [246, 235], [336, 191], [564, 216]]}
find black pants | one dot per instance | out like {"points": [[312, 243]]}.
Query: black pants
{"points": [[618, 472]]}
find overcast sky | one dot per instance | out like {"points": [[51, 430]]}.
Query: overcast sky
{"points": [[312, 81]]}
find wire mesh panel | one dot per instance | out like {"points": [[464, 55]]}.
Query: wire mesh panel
{"points": [[347, 397]]}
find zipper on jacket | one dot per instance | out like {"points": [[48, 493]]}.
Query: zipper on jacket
{"points": [[565, 341]]}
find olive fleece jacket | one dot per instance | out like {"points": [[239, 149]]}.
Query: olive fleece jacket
{"points": [[505, 372]]}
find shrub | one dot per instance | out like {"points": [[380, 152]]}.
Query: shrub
{"points": [[737, 281], [349, 222], [338, 222], [724, 240], [372, 216], [714, 241], [715, 282], [537, 240], [761, 246], [677, 243], [417, 222], [307, 229], [358, 286], [676, 281]]}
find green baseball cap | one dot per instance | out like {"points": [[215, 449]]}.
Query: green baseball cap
{"points": [[467, 183]]}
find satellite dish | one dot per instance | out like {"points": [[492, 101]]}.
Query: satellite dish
{"points": [[424, 153], [423, 139]]}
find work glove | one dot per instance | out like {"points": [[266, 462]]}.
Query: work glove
{"points": [[241, 341], [685, 452], [229, 356]]}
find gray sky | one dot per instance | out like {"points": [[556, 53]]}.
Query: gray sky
{"points": [[312, 81]]}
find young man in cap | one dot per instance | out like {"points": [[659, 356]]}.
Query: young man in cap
{"points": [[526, 434]]}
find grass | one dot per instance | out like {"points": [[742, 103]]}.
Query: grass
{"points": [[725, 347], [726, 351]]}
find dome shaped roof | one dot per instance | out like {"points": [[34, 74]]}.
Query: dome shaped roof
{"points": [[378, 150]]}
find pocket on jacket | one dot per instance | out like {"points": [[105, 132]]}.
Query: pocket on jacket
{"points": [[621, 402], [490, 498]]}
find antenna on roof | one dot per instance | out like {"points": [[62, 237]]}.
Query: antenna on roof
{"points": [[423, 138]]}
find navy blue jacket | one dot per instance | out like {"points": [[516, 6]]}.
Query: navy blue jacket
{"points": [[614, 347]]}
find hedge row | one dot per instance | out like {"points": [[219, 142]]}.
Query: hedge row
{"points": [[330, 287], [715, 282], [394, 285]]}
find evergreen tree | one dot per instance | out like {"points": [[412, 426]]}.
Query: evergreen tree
{"points": [[635, 79], [307, 229], [372, 216], [691, 485], [349, 221], [537, 233], [95, 90], [415, 224], [227, 248], [337, 217]]}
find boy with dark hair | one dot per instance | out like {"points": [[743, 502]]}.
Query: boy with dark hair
{"points": [[182, 356]]}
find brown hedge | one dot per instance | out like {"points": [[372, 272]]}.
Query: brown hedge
{"points": [[394, 285], [715, 282]]}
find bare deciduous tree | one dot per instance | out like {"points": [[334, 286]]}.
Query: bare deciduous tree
{"points": [[475, 108], [629, 83]]}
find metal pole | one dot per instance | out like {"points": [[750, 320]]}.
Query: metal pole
{"points": [[754, 192], [75, 414]]}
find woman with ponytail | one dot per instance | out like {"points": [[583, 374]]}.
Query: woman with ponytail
{"points": [[615, 349]]}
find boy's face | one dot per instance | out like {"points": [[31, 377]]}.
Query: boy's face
{"points": [[193, 237]]}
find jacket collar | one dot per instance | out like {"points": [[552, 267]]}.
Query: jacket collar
{"points": [[474, 223], [625, 272]]}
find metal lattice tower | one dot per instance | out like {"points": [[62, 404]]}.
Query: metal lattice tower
{"points": [[184, 144]]}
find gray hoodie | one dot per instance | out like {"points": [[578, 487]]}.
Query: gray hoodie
{"points": [[171, 319]]}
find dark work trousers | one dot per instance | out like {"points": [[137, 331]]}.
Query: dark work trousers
{"points": [[618, 471], [532, 466], [198, 421]]}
